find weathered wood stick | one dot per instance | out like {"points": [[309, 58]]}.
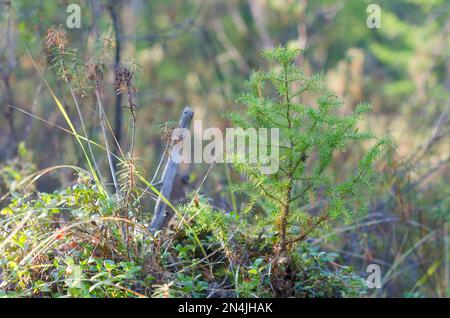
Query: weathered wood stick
{"points": [[168, 178]]}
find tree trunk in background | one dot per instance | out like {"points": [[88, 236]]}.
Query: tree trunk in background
{"points": [[114, 10], [8, 38]]}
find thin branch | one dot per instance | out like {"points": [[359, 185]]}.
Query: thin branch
{"points": [[105, 137]]}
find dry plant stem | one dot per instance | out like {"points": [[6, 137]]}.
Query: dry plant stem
{"points": [[80, 115], [152, 182], [84, 129], [29, 119], [133, 122], [159, 165], [108, 151]]}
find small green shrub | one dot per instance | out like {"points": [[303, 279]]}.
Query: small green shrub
{"points": [[266, 239], [310, 136]]}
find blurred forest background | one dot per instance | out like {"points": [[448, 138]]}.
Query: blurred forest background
{"points": [[199, 53]]}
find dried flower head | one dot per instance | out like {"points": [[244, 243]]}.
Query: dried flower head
{"points": [[56, 38], [108, 44], [166, 130], [94, 70], [125, 73]]}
